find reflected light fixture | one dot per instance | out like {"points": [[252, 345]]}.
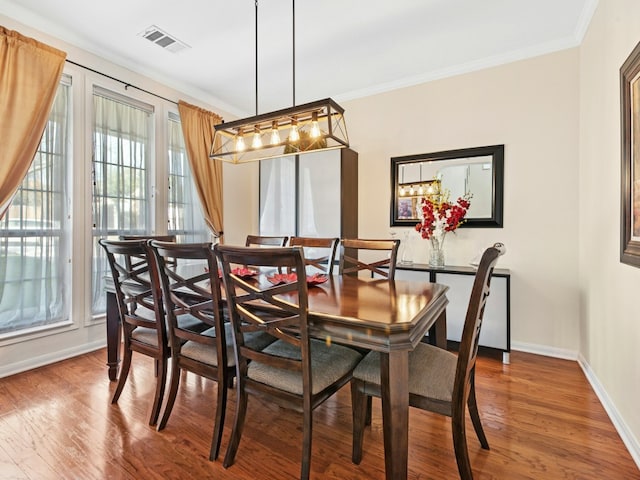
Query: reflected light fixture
{"points": [[311, 127], [402, 191], [275, 134]]}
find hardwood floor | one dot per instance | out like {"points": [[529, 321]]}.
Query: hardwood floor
{"points": [[540, 415]]}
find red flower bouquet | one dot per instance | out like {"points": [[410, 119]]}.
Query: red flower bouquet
{"points": [[440, 217]]}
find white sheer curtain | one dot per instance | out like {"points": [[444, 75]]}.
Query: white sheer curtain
{"points": [[34, 239], [186, 219], [122, 138], [278, 196]]}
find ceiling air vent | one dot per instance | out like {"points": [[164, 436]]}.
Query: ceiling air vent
{"points": [[163, 39]]}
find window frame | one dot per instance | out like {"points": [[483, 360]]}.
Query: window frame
{"points": [[64, 232]]}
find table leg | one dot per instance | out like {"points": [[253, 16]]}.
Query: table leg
{"points": [[394, 376], [438, 332], [114, 333]]}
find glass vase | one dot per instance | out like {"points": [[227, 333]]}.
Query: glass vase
{"points": [[406, 252], [436, 256]]}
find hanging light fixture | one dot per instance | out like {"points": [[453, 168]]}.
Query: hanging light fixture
{"points": [[311, 127]]}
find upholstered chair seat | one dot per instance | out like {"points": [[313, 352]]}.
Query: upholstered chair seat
{"points": [[328, 365]]}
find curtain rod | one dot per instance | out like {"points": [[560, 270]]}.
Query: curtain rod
{"points": [[126, 84]]}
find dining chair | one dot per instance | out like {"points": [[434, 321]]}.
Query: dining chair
{"points": [[295, 371], [319, 253], [139, 302], [265, 241], [192, 291], [351, 262], [439, 381]]}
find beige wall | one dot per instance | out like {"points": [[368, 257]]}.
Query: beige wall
{"points": [[610, 322], [530, 106]]}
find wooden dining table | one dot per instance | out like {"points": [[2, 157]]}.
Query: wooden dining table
{"points": [[387, 316]]}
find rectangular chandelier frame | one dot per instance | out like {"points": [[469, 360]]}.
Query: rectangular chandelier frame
{"points": [[320, 125]]}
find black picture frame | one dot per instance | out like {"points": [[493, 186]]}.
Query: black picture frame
{"points": [[630, 153], [496, 152]]}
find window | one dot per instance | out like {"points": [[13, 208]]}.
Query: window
{"points": [[278, 196], [301, 195], [34, 239], [122, 149], [186, 219]]}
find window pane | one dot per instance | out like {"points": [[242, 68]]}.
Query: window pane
{"points": [[186, 219], [33, 243], [122, 145], [278, 196], [319, 194]]}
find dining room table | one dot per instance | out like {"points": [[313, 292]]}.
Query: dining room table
{"points": [[391, 317]]}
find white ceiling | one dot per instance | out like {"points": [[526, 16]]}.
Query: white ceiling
{"points": [[344, 48]]}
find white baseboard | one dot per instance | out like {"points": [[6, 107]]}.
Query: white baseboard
{"points": [[545, 350], [629, 439], [35, 362]]}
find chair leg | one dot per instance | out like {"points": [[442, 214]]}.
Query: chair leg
{"points": [[221, 408], [359, 405], [367, 420], [173, 391], [475, 416], [460, 445], [161, 380], [124, 373], [238, 424], [307, 428]]}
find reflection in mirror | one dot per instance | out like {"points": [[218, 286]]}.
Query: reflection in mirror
{"points": [[475, 171]]}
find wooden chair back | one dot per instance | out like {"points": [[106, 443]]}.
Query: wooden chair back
{"points": [[162, 238], [350, 263], [193, 289], [285, 320], [136, 285], [265, 241], [319, 253]]}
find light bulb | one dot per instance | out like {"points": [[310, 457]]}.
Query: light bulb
{"points": [[294, 135], [402, 191], [420, 190], [411, 190], [240, 146], [315, 128], [275, 134], [257, 139]]}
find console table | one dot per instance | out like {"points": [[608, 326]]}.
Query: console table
{"points": [[496, 326]]}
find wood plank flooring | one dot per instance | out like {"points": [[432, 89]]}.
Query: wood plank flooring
{"points": [[540, 415]]}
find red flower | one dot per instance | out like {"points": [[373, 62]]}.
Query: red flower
{"points": [[448, 216]]}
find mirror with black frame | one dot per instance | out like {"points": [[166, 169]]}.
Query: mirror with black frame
{"points": [[476, 171]]}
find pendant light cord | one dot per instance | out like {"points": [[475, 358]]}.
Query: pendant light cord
{"points": [[293, 42], [293, 29], [256, 57]]}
